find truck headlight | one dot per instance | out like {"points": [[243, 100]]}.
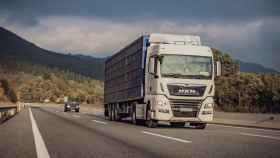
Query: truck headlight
{"points": [[163, 110], [161, 103], [209, 106]]}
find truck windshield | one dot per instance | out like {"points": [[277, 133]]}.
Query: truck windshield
{"points": [[185, 66]]}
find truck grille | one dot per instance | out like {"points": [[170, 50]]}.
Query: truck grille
{"points": [[185, 108]]}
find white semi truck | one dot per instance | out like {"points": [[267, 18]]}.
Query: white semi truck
{"points": [[161, 77]]}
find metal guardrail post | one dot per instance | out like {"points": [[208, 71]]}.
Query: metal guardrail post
{"points": [[8, 111]]}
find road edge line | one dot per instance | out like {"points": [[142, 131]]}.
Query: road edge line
{"points": [[40, 145], [246, 126], [259, 135]]}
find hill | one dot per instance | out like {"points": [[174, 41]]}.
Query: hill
{"points": [[30, 73], [15, 48], [256, 68]]}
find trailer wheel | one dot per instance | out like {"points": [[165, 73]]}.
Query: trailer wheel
{"points": [[110, 112], [106, 112], [115, 113]]}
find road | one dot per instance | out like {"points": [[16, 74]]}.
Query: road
{"points": [[49, 132]]}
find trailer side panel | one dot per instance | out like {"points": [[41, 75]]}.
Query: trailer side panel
{"points": [[124, 73]]}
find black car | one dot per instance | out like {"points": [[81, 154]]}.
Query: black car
{"points": [[72, 105]]}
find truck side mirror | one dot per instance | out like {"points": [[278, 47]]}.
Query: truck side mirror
{"points": [[152, 65], [218, 68]]}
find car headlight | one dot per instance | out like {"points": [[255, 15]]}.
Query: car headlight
{"points": [[209, 106]]}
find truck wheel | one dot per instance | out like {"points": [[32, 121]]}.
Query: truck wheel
{"points": [[77, 110], [65, 110], [110, 113], [178, 124], [199, 125], [151, 123], [134, 119]]}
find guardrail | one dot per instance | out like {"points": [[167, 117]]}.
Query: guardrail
{"points": [[7, 112]]}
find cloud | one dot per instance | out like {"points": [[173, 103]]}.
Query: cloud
{"points": [[199, 10], [88, 35], [103, 37]]}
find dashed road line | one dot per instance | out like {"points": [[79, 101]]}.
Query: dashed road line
{"points": [[261, 136], [40, 145], [101, 122], [77, 116], [167, 137]]}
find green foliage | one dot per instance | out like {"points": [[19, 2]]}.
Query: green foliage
{"points": [[229, 66], [8, 90], [36, 83], [245, 92]]}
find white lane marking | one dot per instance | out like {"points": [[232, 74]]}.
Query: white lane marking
{"points": [[40, 145], [261, 136], [101, 122], [77, 116], [166, 137], [259, 129]]}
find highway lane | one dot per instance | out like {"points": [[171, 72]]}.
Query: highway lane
{"points": [[82, 135]]}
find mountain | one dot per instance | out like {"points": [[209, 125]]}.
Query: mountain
{"points": [[256, 68], [15, 48]]}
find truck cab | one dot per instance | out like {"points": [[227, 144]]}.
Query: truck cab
{"points": [[180, 80]]}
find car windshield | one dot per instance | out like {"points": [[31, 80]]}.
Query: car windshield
{"points": [[185, 66]]}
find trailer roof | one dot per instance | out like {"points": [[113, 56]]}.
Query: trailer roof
{"points": [[189, 40]]}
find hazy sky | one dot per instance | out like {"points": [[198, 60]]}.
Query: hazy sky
{"points": [[247, 29]]}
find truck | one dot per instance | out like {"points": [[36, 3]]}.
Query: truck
{"points": [[161, 78]]}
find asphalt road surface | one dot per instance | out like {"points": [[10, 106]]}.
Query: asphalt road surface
{"points": [[51, 133]]}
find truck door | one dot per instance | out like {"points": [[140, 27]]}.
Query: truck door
{"points": [[151, 87]]}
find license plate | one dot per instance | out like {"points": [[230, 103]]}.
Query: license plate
{"points": [[186, 109]]}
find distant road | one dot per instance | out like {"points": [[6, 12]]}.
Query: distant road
{"points": [[50, 132]]}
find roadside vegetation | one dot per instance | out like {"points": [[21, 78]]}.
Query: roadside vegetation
{"points": [[235, 91], [34, 83], [245, 92]]}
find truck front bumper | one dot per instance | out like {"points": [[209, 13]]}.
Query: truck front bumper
{"points": [[167, 113]]}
